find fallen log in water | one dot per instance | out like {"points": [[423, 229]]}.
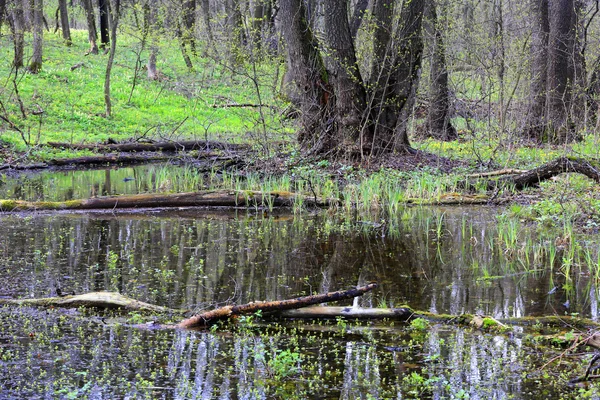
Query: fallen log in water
{"points": [[159, 146], [209, 198], [210, 317], [93, 299]]}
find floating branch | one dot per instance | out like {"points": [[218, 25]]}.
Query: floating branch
{"points": [[210, 317]]}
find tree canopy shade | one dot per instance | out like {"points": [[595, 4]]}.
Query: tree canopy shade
{"points": [[347, 110]]}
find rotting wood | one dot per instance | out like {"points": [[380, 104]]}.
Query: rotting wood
{"points": [[533, 177], [209, 198], [210, 317], [93, 299], [159, 146]]}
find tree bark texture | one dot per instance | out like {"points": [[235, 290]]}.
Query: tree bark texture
{"points": [[357, 17], [537, 118], [189, 23], [150, 20], [308, 77], [91, 24], [210, 198], [560, 127], [64, 22], [38, 36], [2, 12], [438, 123], [348, 88]]}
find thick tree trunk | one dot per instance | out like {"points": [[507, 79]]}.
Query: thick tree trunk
{"points": [[237, 35], [209, 198], [350, 95], [38, 36], [91, 23], [537, 118], [560, 127], [18, 32], [104, 24], [64, 22], [150, 16], [308, 77], [438, 123]]}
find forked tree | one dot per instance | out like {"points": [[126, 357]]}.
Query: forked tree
{"points": [[346, 111]]}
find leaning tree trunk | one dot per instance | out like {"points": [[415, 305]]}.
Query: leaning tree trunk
{"points": [[104, 23], [91, 23], [64, 22], [18, 32], [536, 118], [38, 36], [438, 123], [560, 76]]}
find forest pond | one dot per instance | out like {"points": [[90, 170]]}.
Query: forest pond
{"points": [[450, 260]]}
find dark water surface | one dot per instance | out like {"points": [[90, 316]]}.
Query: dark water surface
{"points": [[444, 260]]}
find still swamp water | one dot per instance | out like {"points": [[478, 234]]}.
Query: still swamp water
{"points": [[440, 259]]}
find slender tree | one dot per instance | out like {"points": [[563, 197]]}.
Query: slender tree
{"points": [[104, 23], [91, 24], [38, 36], [438, 123], [114, 13], [64, 22]]}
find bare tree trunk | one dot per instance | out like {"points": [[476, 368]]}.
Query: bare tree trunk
{"points": [[235, 27], [18, 31], [150, 22], [113, 20], [536, 119], [38, 36], [560, 73], [91, 23], [64, 22], [438, 116], [104, 22]]}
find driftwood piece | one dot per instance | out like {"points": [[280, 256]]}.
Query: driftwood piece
{"points": [[210, 317], [162, 146], [209, 198], [323, 312], [507, 171], [93, 299], [534, 176]]}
